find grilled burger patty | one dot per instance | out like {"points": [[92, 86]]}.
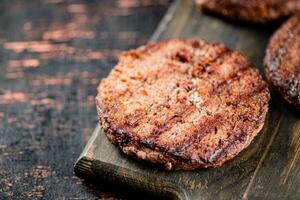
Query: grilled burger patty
{"points": [[184, 104], [251, 10], [282, 61]]}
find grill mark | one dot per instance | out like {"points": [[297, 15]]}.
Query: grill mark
{"points": [[194, 136], [122, 139], [150, 140], [125, 136], [163, 128], [199, 134], [233, 77], [221, 56], [239, 138], [258, 91], [215, 122], [178, 152], [232, 141]]}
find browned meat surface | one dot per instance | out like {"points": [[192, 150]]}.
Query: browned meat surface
{"points": [[282, 61], [251, 10], [185, 104]]}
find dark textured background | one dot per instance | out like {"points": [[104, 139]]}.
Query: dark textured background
{"points": [[52, 55]]}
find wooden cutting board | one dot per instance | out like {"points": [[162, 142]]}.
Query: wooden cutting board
{"points": [[268, 169]]}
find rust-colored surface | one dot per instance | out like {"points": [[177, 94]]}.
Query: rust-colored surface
{"points": [[53, 54]]}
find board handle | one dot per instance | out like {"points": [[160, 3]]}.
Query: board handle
{"points": [[107, 173]]}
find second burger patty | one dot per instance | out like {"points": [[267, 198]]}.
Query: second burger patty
{"points": [[251, 10], [282, 61], [184, 104]]}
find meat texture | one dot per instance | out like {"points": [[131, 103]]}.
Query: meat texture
{"points": [[282, 61], [260, 11], [184, 104]]}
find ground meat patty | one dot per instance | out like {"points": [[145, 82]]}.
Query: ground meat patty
{"points": [[184, 104], [282, 61], [251, 10]]}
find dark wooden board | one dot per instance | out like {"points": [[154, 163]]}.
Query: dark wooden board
{"points": [[268, 169]]}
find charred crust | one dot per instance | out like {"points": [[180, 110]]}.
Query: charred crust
{"points": [[184, 104], [252, 11], [282, 63]]}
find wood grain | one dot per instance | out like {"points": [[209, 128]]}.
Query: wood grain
{"points": [[268, 169], [52, 55]]}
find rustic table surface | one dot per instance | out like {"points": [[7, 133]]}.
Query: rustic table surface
{"points": [[52, 55], [268, 169]]}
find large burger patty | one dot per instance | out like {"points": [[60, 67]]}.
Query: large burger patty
{"points": [[282, 61], [251, 10], [184, 104]]}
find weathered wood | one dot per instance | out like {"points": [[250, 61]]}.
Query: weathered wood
{"points": [[268, 169], [52, 55]]}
